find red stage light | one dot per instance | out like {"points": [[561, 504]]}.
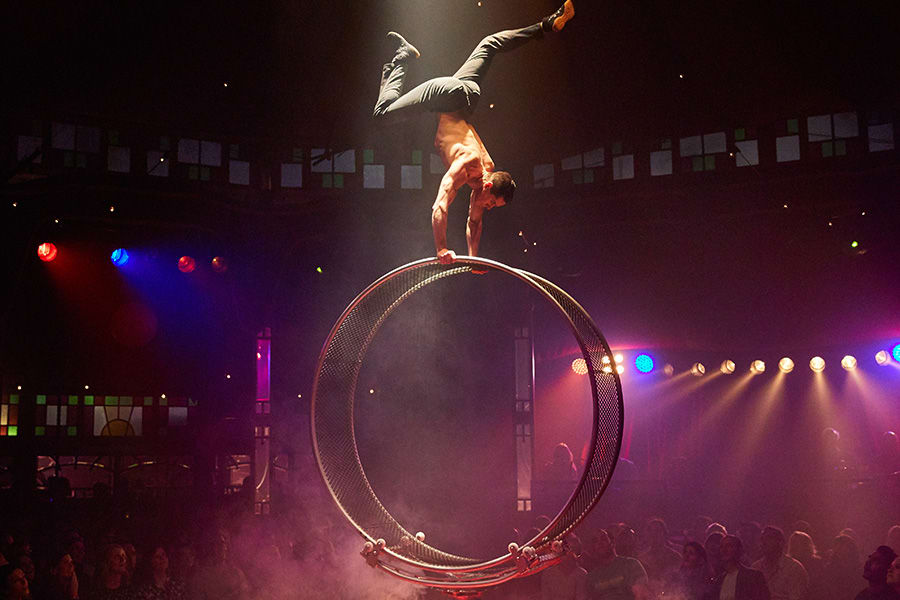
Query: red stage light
{"points": [[46, 252], [219, 264], [186, 264]]}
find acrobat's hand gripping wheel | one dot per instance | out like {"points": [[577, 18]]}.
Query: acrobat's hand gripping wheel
{"points": [[388, 545]]}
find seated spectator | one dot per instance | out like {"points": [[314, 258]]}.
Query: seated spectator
{"points": [[802, 548], [693, 580], [13, 584], [785, 576], [156, 583], [875, 572], [63, 582], [614, 577], [566, 580], [112, 579], [737, 582], [893, 575], [842, 569], [712, 548]]}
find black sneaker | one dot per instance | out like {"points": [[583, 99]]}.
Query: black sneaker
{"points": [[406, 50], [558, 20]]}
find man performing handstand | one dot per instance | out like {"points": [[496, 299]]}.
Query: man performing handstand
{"points": [[460, 147]]}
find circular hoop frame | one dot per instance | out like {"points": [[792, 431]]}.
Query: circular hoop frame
{"points": [[389, 546]]}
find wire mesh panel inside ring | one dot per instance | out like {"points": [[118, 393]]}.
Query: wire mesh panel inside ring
{"points": [[387, 544]]}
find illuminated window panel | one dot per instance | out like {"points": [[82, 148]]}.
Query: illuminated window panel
{"points": [[62, 416], [118, 420], [9, 416]]}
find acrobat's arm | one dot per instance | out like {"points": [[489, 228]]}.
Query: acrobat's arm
{"points": [[455, 177]]}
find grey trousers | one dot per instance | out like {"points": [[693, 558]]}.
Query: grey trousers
{"points": [[446, 94]]}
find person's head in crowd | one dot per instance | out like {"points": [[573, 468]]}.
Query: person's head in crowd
{"points": [[876, 567], [713, 547], [576, 548], [893, 574], [13, 583], [602, 546], [693, 557], [893, 538], [771, 543], [803, 526], [62, 567], [131, 554], [850, 533], [801, 546], [657, 533], [24, 562], [159, 562], [114, 567], [74, 546], [845, 551], [749, 532], [184, 561], [731, 549], [626, 542], [713, 528]]}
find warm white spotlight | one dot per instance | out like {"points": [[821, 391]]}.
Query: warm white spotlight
{"points": [[881, 357], [579, 366], [848, 362], [619, 357], [607, 369], [817, 364], [698, 369], [620, 369], [605, 360], [669, 370], [785, 365], [758, 366], [727, 367]]}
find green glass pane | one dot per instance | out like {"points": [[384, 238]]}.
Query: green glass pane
{"points": [[417, 157], [13, 431], [297, 155], [125, 400], [368, 156], [40, 399], [840, 148], [339, 180], [13, 398], [740, 134], [697, 163], [88, 400], [827, 149], [40, 430], [589, 176], [72, 430], [148, 400], [163, 402], [204, 173], [194, 172], [73, 400], [793, 126], [112, 401], [327, 180], [709, 162]]}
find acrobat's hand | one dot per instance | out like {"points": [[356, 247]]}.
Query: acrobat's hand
{"points": [[446, 256]]}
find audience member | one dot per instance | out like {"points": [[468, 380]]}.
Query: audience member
{"points": [[785, 576], [713, 548], [626, 542], [615, 577], [112, 578], [737, 582], [63, 582], [566, 580], [219, 579], [693, 580], [13, 584], [749, 532], [842, 569], [715, 528], [802, 548], [875, 572], [893, 575], [563, 466], [659, 559], [157, 584], [893, 538]]}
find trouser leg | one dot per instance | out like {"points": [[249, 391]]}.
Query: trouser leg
{"points": [[441, 94], [476, 66]]}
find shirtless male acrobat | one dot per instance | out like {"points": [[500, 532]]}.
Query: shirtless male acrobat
{"points": [[454, 98]]}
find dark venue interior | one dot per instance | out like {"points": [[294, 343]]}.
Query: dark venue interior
{"points": [[717, 185]]}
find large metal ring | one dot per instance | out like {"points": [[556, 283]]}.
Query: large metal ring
{"points": [[389, 546]]}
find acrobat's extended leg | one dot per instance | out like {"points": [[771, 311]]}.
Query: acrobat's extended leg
{"points": [[476, 66]]}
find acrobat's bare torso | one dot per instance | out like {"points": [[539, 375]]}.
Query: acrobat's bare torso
{"points": [[455, 139]]}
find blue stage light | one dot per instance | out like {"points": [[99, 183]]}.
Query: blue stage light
{"points": [[643, 363], [119, 257], [896, 352]]}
